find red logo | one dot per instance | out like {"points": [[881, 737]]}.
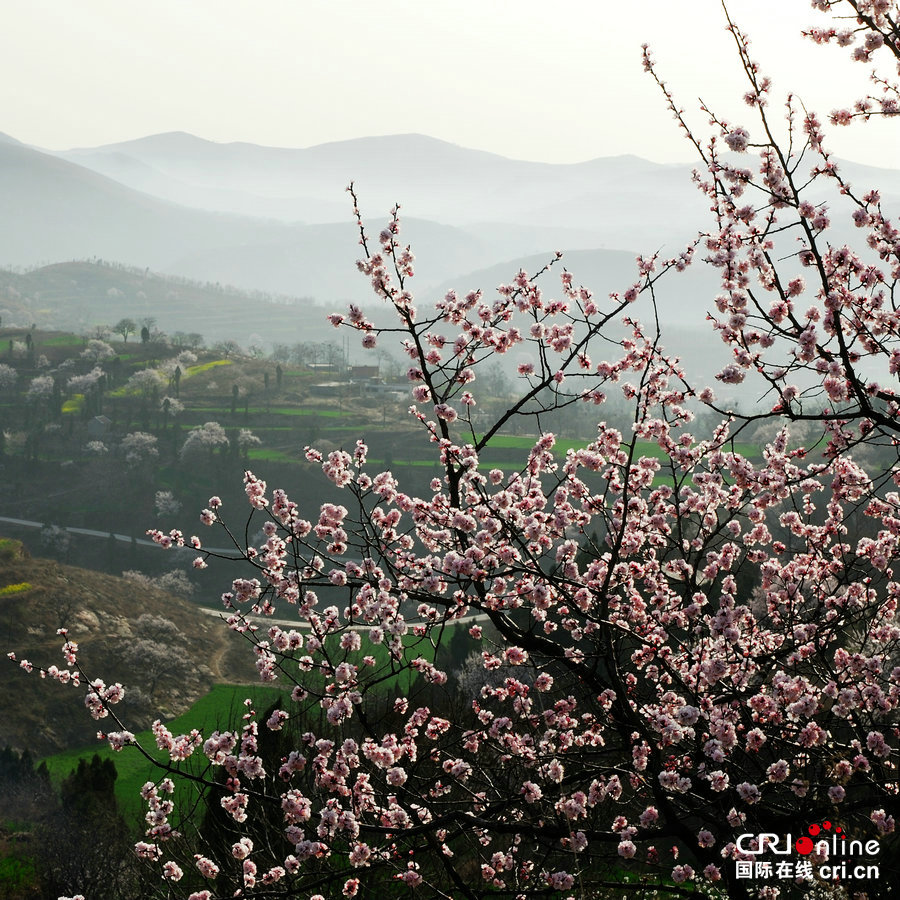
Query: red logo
{"points": [[804, 845]]}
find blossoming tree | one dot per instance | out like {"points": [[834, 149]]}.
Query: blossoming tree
{"points": [[677, 648]]}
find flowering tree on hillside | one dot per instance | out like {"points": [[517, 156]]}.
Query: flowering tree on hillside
{"points": [[204, 440], [139, 448], [8, 376], [686, 652], [97, 351], [82, 384]]}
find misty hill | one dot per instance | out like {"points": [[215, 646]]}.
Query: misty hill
{"points": [[54, 210], [143, 165], [683, 299], [322, 258], [607, 197], [78, 296], [277, 219], [430, 178], [38, 596], [602, 271]]}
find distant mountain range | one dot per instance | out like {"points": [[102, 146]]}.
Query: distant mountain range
{"points": [[277, 220], [431, 179]]}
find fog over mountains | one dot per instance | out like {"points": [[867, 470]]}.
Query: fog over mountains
{"points": [[278, 220]]}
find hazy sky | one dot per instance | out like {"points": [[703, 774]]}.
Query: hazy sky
{"points": [[558, 82]]}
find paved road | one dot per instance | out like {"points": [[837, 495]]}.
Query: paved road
{"points": [[124, 538], [294, 623], [219, 613]]}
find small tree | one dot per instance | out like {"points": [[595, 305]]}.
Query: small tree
{"points": [[56, 541], [83, 842], [98, 351], [166, 504], [246, 441], [40, 388], [8, 377], [145, 382], [156, 651], [171, 408], [227, 349], [204, 440], [139, 448]]}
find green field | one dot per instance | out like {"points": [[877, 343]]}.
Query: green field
{"points": [[293, 411], [17, 874], [9, 549], [73, 405], [503, 450], [62, 340], [563, 445], [281, 456], [205, 367], [274, 411], [221, 706], [221, 709]]}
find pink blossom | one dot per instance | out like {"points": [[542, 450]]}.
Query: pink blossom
{"points": [[680, 874], [561, 881], [737, 140], [206, 867], [172, 872]]}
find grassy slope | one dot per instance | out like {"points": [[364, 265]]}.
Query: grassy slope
{"points": [[99, 610], [220, 709]]}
